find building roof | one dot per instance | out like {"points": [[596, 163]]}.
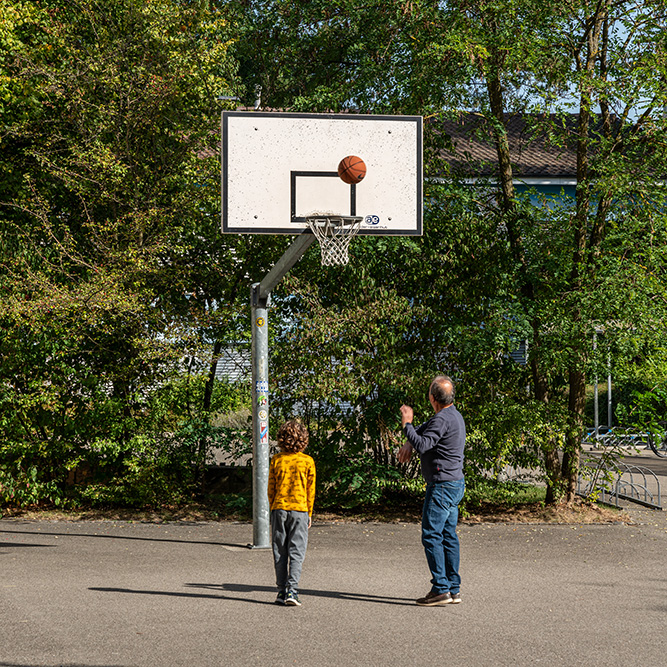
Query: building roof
{"points": [[534, 150], [541, 146]]}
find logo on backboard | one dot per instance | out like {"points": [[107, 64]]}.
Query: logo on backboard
{"points": [[372, 220]]}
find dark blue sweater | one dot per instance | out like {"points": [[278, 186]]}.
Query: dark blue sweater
{"points": [[440, 442]]}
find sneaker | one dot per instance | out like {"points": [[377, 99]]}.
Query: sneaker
{"points": [[456, 598], [292, 599], [433, 599], [281, 597]]}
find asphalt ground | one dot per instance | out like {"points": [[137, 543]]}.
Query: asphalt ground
{"points": [[134, 594]]}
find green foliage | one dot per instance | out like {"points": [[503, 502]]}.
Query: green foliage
{"points": [[646, 412], [350, 482], [482, 493], [494, 266], [118, 294], [240, 503], [146, 472], [21, 487], [112, 287], [512, 436]]}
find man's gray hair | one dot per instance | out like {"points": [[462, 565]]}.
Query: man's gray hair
{"points": [[442, 389]]}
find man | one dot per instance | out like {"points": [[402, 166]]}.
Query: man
{"points": [[439, 442]]}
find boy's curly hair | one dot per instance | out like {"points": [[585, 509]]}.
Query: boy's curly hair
{"points": [[292, 436]]}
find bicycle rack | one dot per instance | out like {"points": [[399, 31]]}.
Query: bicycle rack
{"points": [[621, 481], [616, 438]]}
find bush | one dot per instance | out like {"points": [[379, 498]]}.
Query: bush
{"points": [[359, 481], [150, 454], [481, 493], [22, 488]]}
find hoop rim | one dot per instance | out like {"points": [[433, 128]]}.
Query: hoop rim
{"points": [[321, 219]]}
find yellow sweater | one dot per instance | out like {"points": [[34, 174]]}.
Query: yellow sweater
{"points": [[292, 482]]}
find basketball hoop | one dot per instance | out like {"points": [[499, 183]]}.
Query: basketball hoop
{"points": [[334, 233]]}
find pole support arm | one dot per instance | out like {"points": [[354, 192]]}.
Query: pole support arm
{"points": [[281, 268]]}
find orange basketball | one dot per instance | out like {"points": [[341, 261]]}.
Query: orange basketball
{"points": [[352, 169]]}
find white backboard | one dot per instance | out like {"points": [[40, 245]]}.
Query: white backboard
{"points": [[279, 167]]}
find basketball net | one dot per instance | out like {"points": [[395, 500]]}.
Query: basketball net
{"points": [[334, 233]]}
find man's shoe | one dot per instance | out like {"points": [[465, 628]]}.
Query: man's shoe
{"points": [[292, 599], [456, 598], [435, 599], [281, 597]]}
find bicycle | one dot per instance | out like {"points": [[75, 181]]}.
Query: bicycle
{"points": [[658, 444], [617, 438]]}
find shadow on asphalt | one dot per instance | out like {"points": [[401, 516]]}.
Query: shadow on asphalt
{"points": [[42, 533], [176, 594], [360, 597], [250, 589]]}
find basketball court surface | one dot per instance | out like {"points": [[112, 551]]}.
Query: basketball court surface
{"points": [[123, 594]]}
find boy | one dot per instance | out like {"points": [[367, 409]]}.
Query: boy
{"points": [[291, 498]]}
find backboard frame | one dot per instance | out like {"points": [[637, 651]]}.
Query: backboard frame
{"points": [[291, 207]]}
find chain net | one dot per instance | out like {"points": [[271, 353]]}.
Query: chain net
{"points": [[334, 233]]}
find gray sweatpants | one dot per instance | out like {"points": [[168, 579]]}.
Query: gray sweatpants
{"points": [[289, 534]]}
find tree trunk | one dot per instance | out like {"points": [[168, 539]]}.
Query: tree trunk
{"points": [[571, 455], [210, 382], [509, 208]]}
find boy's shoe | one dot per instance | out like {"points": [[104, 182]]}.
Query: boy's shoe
{"points": [[435, 599], [292, 599], [456, 598], [281, 597]]}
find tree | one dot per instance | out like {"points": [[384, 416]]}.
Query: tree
{"points": [[591, 76], [114, 277], [605, 56]]}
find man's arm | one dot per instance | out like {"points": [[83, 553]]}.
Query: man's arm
{"points": [[426, 436], [404, 453], [407, 415]]}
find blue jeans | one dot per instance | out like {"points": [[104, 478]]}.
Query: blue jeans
{"points": [[441, 543]]}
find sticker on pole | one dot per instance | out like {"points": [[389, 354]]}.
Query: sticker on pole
{"points": [[263, 414], [262, 387], [263, 433]]}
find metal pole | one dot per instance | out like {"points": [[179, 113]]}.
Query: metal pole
{"points": [[260, 419], [609, 405], [596, 418], [259, 302]]}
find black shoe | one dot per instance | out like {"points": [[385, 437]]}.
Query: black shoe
{"points": [[292, 599], [281, 597], [435, 599]]}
